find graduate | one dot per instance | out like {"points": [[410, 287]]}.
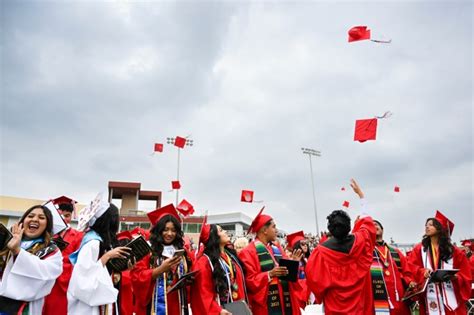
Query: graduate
{"points": [[30, 264], [297, 241], [390, 275], [338, 270], [220, 276], [436, 252], [91, 290], [267, 293], [157, 272], [123, 281], [56, 302]]}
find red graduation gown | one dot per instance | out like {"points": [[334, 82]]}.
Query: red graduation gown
{"points": [[342, 281], [395, 279], [461, 284], [204, 296], [126, 294], [56, 302], [257, 282], [143, 285]]}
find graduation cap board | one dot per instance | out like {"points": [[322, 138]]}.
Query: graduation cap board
{"points": [[156, 215], [366, 129], [59, 224], [158, 147], [447, 224], [180, 142], [185, 208], [92, 212], [362, 32], [175, 184], [246, 196], [259, 221], [293, 238]]}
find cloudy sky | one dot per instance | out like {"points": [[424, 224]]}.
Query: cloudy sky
{"points": [[88, 87]]}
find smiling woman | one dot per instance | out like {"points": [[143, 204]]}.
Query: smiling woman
{"points": [[30, 264]]}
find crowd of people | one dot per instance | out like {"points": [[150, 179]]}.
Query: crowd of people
{"points": [[348, 271]]}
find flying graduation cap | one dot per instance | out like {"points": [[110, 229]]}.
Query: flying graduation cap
{"points": [[175, 184], [246, 196], [180, 142], [396, 189], [158, 147], [185, 208], [366, 129], [345, 204], [358, 33]]}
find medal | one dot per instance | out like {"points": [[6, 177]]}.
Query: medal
{"points": [[387, 272], [235, 295], [386, 263]]}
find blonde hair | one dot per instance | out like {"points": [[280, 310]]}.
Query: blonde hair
{"points": [[241, 243]]}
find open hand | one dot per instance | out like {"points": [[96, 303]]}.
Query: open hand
{"points": [[297, 255], [278, 272], [357, 188], [14, 244]]}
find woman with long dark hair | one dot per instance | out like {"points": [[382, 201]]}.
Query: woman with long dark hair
{"points": [[156, 273], [30, 263], [91, 289], [436, 252], [220, 277]]}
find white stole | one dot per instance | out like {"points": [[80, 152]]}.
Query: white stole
{"points": [[439, 295]]}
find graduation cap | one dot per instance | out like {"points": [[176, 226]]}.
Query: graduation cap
{"points": [[246, 196], [185, 208], [124, 235], [292, 238], [158, 147], [205, 231], [140, 231], [343, 188], [156, 215], [259, 221], [396, 189], [180, 142], [63, 199], [59, 224], [92, 212], [175, 184], [445, 222], [365, 129], [358, 33], [345, 204]]}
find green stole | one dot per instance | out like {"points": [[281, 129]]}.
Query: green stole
{"points": [[278, 289]]}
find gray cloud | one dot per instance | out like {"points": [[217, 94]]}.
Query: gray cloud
{"points": [[88, 87]]}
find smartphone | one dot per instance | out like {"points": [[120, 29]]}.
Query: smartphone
{"points": [[178, 253]]}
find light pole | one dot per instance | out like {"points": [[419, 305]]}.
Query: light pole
{"points": [[310, 153], [189, 142]]}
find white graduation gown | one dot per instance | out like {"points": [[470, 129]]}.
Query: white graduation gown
{"points": [[91, 284], [29, 278]]}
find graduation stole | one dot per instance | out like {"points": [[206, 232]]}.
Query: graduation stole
{"points": [[159, 301], [379, 290], [438, 294], [278, 290], [37, 248]]}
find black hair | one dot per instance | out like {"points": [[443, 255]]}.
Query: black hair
{"points": [[444, 241], [68, 207], [339, 224], [380, 224], [48, 232], [298, 246], [107, 226], [156, 235], [212, 250]]}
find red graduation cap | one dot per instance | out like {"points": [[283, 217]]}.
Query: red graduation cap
{"points": [[357, 33], [445, 222], [63, 199], [175, 184], [396, 189], [205, 231], [365, 129], [246, 196], [140, 231], [185, 208], [468, 243], [158, 147], [180, 142], [343, 188], [259, 221], [292, 238], [124, 235], [156, 215], [345, 204]]}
